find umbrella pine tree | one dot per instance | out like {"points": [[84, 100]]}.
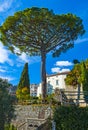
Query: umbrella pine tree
{"points": [[38, 31]]}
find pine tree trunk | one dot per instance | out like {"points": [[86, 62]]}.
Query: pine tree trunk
{"points": [[43, 75]]}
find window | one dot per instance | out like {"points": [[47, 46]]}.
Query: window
{"points": [[48, 90], [48, 82], [57, 82]]}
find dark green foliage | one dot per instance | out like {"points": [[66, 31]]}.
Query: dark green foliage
{"points": [[23, 89], [38, 31], [84, 80], [24, 80], [84, 76], [10, 127], [75, 61], [6, 107], [71, 118], [46, 126]]}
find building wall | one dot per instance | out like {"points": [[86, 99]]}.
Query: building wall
{"points": [[57, 81], [33, 90], [53, 82], [39, 90]]}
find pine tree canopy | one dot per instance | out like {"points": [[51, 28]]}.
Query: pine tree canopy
{"points": [[38, 29]]}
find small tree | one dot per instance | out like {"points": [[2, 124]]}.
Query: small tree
{"points": [[73, 76], [6, 107], [23, 91], [78, 76]]}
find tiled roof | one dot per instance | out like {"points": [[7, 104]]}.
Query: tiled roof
{"points": [[62, 73]]}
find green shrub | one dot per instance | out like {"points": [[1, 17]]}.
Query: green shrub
{"points": [[9, 127], [71, 118], [34, 101]]}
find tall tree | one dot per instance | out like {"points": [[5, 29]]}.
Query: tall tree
{"points": [[38, 31], [84, 80], [24, 80], [23, 91], [6, 107]]}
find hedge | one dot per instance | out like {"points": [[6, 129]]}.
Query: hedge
{"points": [[71, 118]]}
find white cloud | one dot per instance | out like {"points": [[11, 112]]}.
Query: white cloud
{"points": [[63, 63], [81, 40], [34, 59], [64, 70], [4, 55], [24, 57], [5, 5], [2, 70], [7, 78], [56, 69]]}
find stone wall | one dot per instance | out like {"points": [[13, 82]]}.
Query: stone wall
{"points": [[25, 112]]}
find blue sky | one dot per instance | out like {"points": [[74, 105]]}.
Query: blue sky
{"points": [[11, 65]]}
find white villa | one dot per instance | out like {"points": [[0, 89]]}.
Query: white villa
{"points": [[58, 81], [53, 81]]}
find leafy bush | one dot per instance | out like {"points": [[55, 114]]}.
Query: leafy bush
{"points": [[71, 118], [10, 127], [6, 104], [46, 126]]}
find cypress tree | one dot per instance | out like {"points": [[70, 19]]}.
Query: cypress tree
{"points": [[84, 80], [24, 80], [23, 91]]}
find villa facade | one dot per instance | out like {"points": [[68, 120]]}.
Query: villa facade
{"points": [[53, 81]]}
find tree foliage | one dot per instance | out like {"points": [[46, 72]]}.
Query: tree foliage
{"points": [[23, 91], [24, 79], [75, 61], [38, 31], [84, 75], [74, 76], [6, 107], [84, 80], [10, 127], [71, 118], [78, 75]]}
